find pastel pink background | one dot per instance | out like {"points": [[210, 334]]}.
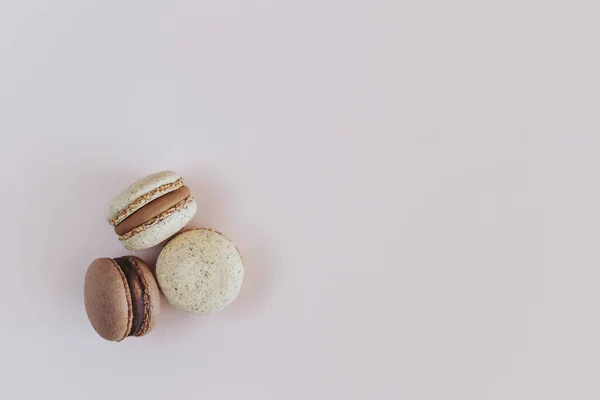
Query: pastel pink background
{"points": [[413, 184]]}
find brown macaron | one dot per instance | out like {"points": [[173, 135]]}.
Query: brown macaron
{"points": [[121, 297]]}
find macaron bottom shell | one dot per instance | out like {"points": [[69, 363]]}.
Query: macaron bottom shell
{"points": [[200, 271]]}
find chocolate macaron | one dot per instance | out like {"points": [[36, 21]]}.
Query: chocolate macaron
{"points": [[151, 210], [121, 297]]}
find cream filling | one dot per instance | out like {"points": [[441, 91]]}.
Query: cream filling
{"points": [[145, 199], [183, 204]]}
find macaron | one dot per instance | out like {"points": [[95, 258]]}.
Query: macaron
{"points": [[122, 297], [151, 210], [200, 271]]}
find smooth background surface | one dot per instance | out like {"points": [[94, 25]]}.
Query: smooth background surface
{"points": [[414, 186]]}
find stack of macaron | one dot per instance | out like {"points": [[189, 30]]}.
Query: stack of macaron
{"points": [[199, 270]]}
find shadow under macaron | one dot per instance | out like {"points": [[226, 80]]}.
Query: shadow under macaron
{"points": [[258, 271]]}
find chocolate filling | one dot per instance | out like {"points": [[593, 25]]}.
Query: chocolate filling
{"points": [[137, 294]]}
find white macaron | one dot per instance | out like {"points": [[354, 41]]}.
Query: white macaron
{"points": [[151, 210], [200, 271]]}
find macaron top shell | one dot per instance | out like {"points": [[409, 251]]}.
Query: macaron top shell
{"points": [[121, 297], [107, 302], [141, 193], [200, 271]]}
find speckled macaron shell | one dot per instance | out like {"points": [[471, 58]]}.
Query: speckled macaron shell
{"points": [[200, 271], [161, 230], [114, 212], [108, 300]]}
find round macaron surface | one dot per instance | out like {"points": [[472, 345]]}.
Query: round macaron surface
{"points": [[200, 271], [151, 210], [121, 297]]}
